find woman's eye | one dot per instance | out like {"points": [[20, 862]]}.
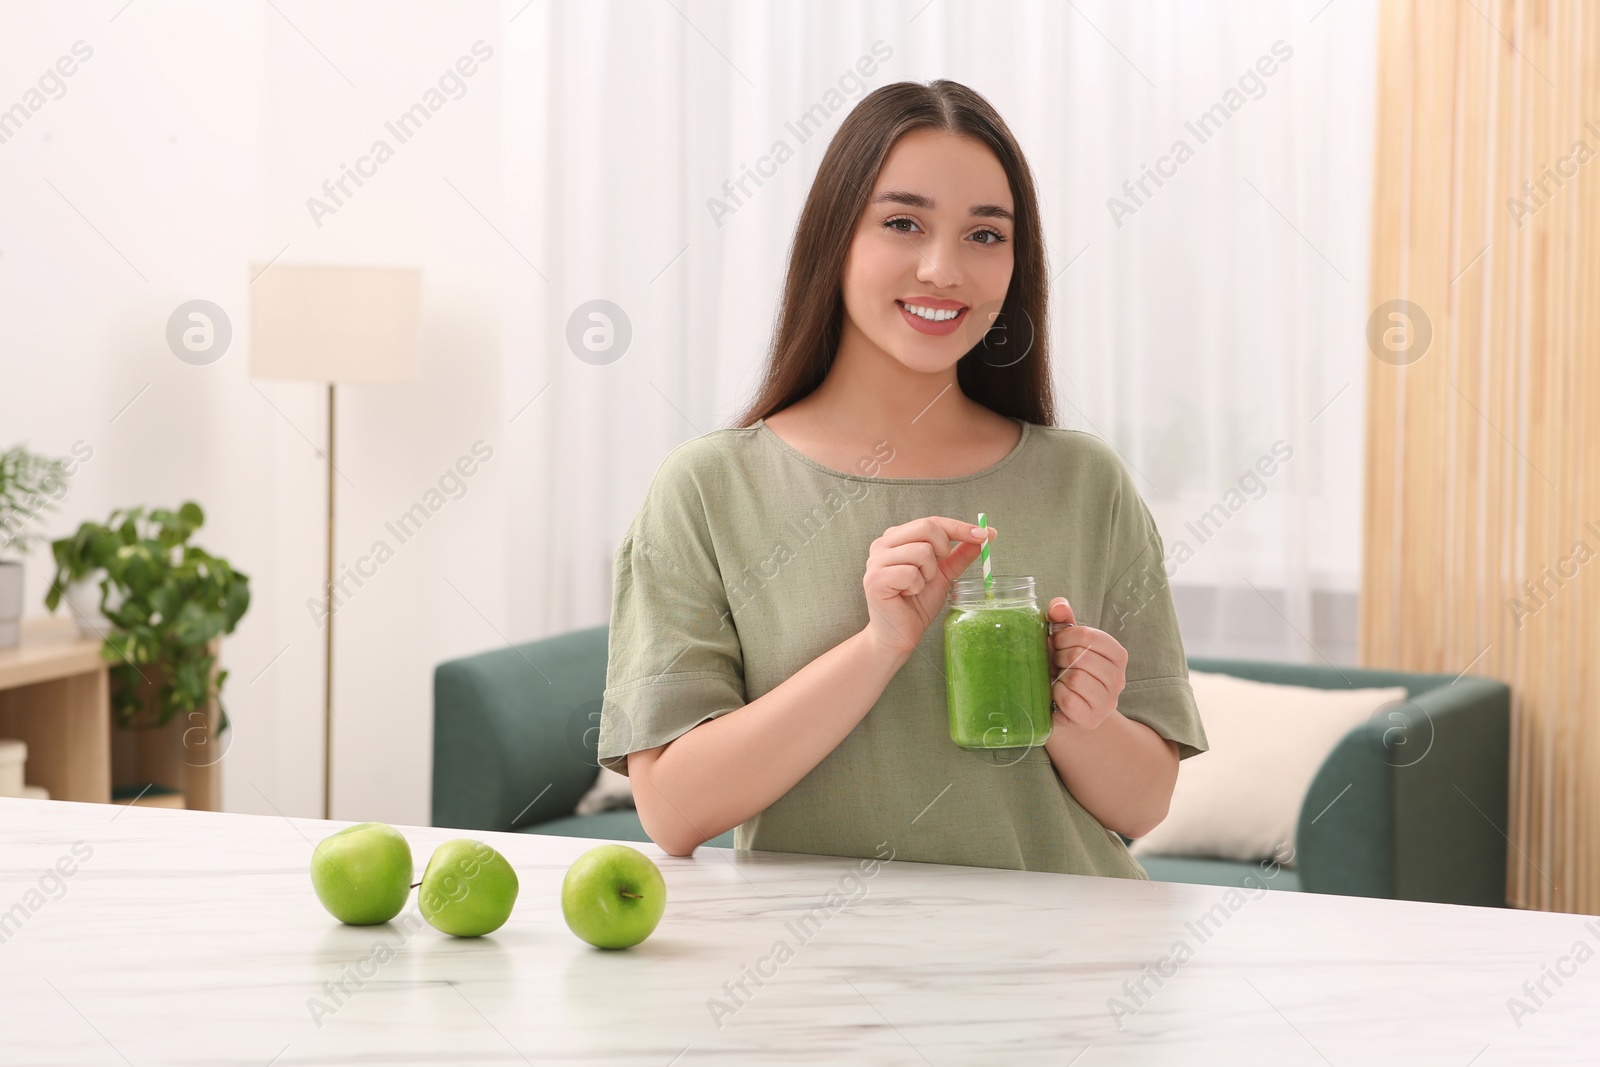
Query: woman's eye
{"points": [[894, 224]]}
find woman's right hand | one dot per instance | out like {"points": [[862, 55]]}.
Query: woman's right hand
{"points": [[909, 572]]}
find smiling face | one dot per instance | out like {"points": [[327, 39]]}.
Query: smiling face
{"points": [[930, 261]]}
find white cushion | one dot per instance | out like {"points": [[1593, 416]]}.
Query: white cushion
{"points": [[610, 792], [1241, 799]]}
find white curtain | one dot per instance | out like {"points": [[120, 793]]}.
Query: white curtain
{"points": [[1208, 326]]}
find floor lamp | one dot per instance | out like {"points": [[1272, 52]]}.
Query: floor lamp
{"points": [[336, 325]]}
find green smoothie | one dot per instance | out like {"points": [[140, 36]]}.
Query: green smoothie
{"points": [[997, 669]]}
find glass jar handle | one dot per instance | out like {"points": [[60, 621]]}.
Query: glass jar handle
{"points": [[1050, 650]]}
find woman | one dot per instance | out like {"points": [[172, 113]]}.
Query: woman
{"points": [[773, 661]]}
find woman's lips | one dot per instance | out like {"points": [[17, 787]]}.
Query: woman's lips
{"points": [[936, 329]]}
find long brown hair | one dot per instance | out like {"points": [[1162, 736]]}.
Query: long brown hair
{"points": [[811, 318]]}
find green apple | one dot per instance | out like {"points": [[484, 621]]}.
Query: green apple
{"points": [[613, 896], [468, 888], [362, 874]]}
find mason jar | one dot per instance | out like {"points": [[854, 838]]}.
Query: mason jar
{"points": [[997, 664]]}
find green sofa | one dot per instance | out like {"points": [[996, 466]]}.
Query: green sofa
{"points": [[514, 747]]}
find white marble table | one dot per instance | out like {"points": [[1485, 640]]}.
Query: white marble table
{"points": [[194, 938]]}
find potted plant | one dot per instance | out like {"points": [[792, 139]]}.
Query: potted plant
{"points": [[168, 603], [81, 561], [29, 484]]}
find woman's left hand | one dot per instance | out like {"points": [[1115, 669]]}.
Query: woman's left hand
{"points": [[1090, 665]]}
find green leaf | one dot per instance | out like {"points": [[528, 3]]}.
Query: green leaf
{"points": [[196, 624], [237, 602], [139, 569], [99, 549], [132, 613]]}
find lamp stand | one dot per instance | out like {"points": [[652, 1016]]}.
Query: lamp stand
{"points": [[327, 675]]}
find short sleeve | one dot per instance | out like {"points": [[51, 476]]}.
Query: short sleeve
{"points": [[673, 654], [1138, 611]]}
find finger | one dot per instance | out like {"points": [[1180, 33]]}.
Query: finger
{"points": [[1060, 611], [1091, 648], [1075, 707], [1082, 684], [1087, 660], [1088, 665], [1079, 657], [918, 554], [959, 559], [938, 531], [902, 579], [1087, 637]]}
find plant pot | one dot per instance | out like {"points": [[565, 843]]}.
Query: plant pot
{"points": [[83, 598], [184, 754], [10, 603]]}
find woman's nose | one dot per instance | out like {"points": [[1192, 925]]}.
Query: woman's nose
{"points": [[940, 263]]}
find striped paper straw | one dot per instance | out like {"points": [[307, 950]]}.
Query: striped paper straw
{"points": [[988, 579]]}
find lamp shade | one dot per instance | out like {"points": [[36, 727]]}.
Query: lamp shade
{"points": [[335, 324]]}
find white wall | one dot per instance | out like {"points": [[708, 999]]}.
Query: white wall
{"points": [[191, 140]]}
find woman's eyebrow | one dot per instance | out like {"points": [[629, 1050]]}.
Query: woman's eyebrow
{"points": [[900, 196]]}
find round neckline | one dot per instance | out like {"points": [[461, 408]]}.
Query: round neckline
{"points": [[1022, 442]]}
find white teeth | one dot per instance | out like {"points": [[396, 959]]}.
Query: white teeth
{"points": [[930, 314]]}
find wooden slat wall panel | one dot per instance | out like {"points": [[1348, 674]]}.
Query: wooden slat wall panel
{"points": [[1587, 394], [1483, 460], [1376, 626]]}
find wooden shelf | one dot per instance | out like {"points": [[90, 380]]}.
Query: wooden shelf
{"points": [[51, 649], [55, 694]]}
